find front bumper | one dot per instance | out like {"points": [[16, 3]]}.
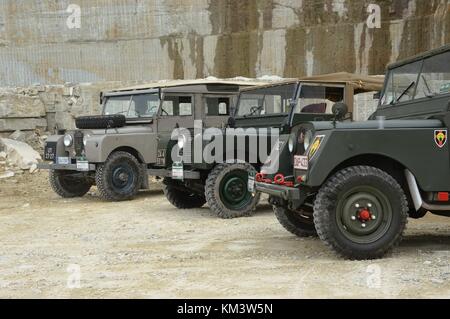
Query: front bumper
{"points": [[284, 192], [66, 167]]}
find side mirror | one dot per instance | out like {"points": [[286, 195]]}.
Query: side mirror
{"points": [[340, 110], [231, 122]]}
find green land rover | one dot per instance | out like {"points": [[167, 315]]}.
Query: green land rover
{"points": [[356, 183]]}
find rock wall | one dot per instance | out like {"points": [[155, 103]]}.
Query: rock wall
{"points": [[47, 107], [45, 46], [47, 42]]}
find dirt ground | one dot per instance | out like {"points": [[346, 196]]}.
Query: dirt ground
{"points": [[145, 248]]}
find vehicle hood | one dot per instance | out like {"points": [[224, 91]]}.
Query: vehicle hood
{"points": [[131, 129], [377, 124]]}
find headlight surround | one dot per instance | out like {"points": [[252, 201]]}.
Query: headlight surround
{"points": [[304, 139], [307, 140], [85, 138], [181, 141], [68, 140], [291, 142]]}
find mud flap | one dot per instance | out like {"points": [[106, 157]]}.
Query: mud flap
{"points": [[145, 183]]}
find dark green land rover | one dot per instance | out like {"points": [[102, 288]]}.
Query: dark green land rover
{"points": [[355, 184]]}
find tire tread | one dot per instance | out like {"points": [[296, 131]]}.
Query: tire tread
{"points": [[324, 202]]}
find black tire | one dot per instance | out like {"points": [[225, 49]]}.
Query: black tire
{"points": [[180, 196], [100, 121], [351, 236], [66, 185], [299, 223], [214, 187], [119, 178]]}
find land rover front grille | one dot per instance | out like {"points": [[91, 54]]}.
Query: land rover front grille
{"points": [[78, 142]]}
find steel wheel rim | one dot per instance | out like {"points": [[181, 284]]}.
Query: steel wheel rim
{"points": [[364, 214], [123, 177], [233, 190]]}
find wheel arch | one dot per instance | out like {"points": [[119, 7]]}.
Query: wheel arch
{"points": [[386, 163], [248, 155], [131, 151]]}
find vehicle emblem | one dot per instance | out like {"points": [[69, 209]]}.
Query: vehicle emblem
{"points": [[440, 137], [315, 146]]}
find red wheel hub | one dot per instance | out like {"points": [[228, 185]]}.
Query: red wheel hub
{"points": [[364, 215]]}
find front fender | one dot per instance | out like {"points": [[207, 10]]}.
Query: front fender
{"points": [[415, 149], [99, 147]]}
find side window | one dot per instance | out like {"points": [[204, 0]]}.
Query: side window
{"points": [[167, 108], [177, 106], [435, 77], [318, 99], [217, 106], [185, 106]]}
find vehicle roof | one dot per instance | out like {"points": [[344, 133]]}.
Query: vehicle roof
{"points": [[420, 56], [185, 83], [361, 83]]}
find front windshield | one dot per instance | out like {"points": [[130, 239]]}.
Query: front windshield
{"points": [[266, 101], [420, 79], [132, 106]]}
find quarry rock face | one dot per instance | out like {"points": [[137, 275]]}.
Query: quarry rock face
{"points": [[55, 73], [128, 40], [48, 107], [20, 106]]}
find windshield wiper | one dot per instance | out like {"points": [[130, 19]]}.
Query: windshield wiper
{"points": [[404, 92]]}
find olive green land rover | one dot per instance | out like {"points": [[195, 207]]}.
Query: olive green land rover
{"points": [[362, 180]]}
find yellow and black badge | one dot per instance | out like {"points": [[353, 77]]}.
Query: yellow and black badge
{"points": [[440, 137], [315, 146]]}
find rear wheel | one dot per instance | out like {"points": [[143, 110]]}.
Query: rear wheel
{"points": [[68, 184], [299, 222], [120, 177], [226, 190], [180, 196], [361, 212]]}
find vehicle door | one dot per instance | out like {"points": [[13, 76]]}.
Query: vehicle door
{"points": [[176, 111]]}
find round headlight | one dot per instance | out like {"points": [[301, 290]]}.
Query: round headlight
{"points": [[85, 138], [181, 141], [291, 143], [68, 140]]}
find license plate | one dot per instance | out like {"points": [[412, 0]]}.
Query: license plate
{"points": [[301, 162], [82, 166], [63, 160], [50, 151], [251, 183], [178, 171]]}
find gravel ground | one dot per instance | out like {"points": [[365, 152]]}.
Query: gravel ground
{"points": [[145, 248]]}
